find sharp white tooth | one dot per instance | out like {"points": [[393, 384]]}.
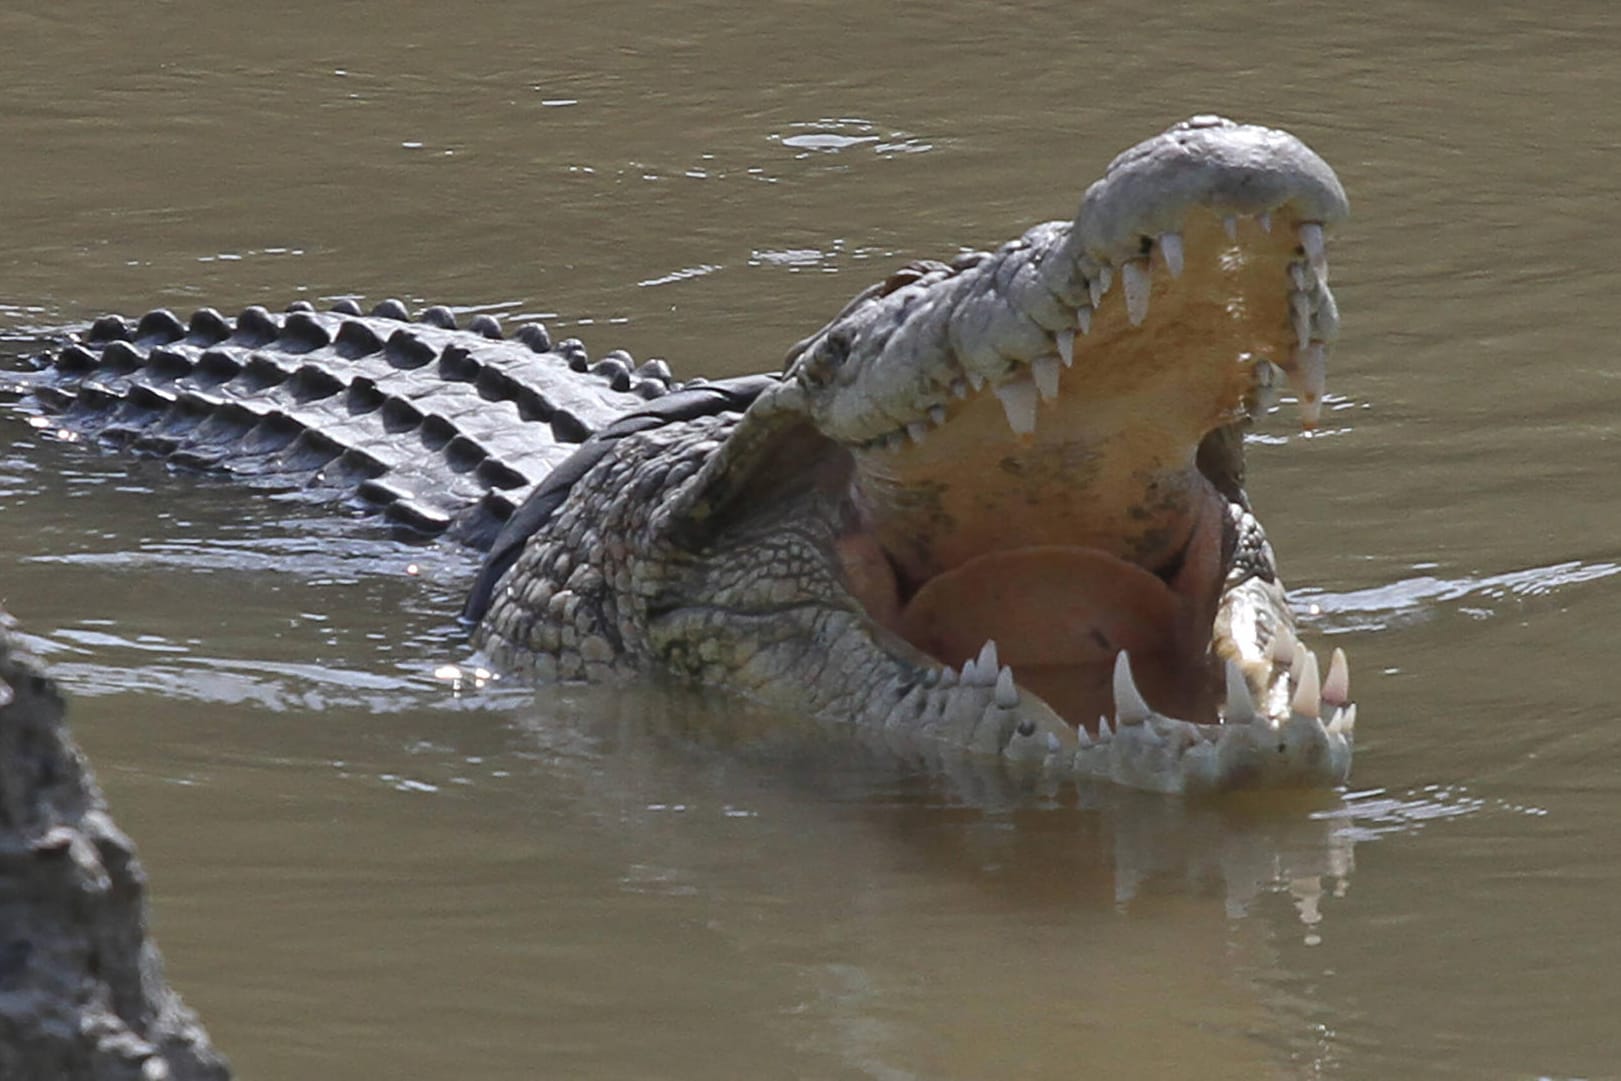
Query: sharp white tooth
{"points": [[1104, 735], [1019, 403], [1308, 692], [1007, 692], [986, 661], [1045, 371], [970, 673], [975, 380], [1310, 380], [1311, 242], [1082, 736], [1337, 687], [948, 676], [937, 415], [1300, 316], [917, 429], [1229, 222], [959, 387], [1264, 219], [1269, 378], [1066, 346], [1054, 744], [1344, 722], [1283, 647], [1129, 705], [1098, 285], [1134, 276], [1083, 319], [1325, 318], [1297, 663], [1240, 708], [1170, 246]]}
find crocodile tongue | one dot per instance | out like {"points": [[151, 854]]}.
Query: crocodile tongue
{"points": [[1060, 614]]}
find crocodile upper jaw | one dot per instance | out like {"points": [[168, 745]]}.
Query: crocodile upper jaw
{"points": [[1062, 511]]}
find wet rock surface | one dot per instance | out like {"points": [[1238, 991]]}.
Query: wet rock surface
{"points": [[82, 993]]}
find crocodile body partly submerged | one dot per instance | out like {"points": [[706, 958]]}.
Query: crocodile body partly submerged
{"points": [[994, 505]]}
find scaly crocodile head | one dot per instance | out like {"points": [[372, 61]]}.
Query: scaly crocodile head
{"points": [[1040, 461]]}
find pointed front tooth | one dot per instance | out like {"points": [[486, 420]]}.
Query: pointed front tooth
{"points": [[959, 387], [1019, 403], [1045, 371], [1097, 286], [1282, 647], [1129, 704], [1066, 346], [1083, 320], [917, 429], [1104, 735], [1310, 380], [1240, 708], [1134, 277], [1007, 692], [1229, 222], [1300, 317], [986, 662], [975, 379], [1344, 722], [1311, 242], [1308, 692], [937, 415], [1269, 379], [1325, 318], [1170, 246], [1337, 686]]}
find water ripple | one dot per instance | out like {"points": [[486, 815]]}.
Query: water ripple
{"points": [[1419, 598]]}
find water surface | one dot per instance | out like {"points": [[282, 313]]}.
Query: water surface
{"points": [[359, 871]]}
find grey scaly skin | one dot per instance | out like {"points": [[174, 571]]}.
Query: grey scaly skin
{"points": [[1021, 469], [713, 550]]}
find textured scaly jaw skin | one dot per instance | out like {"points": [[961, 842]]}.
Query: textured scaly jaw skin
{"points": [[1038, 491]]}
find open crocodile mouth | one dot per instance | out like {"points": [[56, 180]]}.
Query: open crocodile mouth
{"points": [[1064, 514]]}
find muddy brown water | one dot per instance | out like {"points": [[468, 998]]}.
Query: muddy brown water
{"points": [[357, 873]]}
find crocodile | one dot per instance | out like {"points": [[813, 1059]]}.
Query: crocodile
{"points": [[994, 507]]}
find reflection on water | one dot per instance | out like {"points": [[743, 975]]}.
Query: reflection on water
{"points": [[1421, 597], [645, 883]]}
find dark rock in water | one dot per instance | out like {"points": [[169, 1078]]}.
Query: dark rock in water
{"points": [[82, 994]]}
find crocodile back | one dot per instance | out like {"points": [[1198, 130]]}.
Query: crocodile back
{"points": [[689, 402], [442, 430]]}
